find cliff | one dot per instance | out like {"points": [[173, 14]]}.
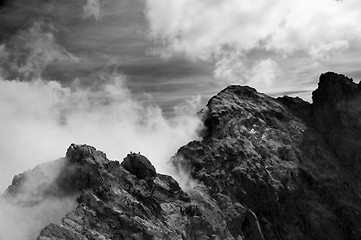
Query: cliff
{"points": [[265, 169], [292, 163]]}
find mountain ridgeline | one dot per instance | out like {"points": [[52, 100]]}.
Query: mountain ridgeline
{"points": [[265, 168]]}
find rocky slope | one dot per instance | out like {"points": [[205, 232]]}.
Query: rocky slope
{"points": [[265, 169], [293, 164]]}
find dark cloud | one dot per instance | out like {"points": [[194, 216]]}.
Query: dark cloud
{"points": [[3, 3], [114, 40]]}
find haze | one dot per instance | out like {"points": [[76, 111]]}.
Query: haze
{"points": [[129, 75]]}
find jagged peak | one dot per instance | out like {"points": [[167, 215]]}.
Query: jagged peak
{"points": [[82, 168], [139, 165], [333, 87], [259, 164], [238, 90], [84, 153]]}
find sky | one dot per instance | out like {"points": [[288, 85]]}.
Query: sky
{"points": [[129, 75]]}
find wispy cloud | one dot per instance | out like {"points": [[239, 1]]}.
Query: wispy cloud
{"points": [[228, 32], [40, 119], [201, 28], [92, 8], [22, 223], [30, 51]]}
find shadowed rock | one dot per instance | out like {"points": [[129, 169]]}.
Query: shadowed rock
{"points": [[337, 114], [81, 154], [291, 163], [131, 201], [139, 165]]}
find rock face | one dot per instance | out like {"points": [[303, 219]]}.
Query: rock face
{"points": [[293, 164], [131, 201], [337, 114], [265, 169], [139, 165]]}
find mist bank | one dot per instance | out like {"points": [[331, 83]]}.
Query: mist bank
{"points": [[40, 119]]}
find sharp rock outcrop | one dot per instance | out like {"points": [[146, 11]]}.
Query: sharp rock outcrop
{"points": [[265, 169], [295, 165]]}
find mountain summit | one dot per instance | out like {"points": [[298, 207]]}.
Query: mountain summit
{"points": [[265, 168]]}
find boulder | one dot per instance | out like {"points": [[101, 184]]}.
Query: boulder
{"points": [[139, 165]]}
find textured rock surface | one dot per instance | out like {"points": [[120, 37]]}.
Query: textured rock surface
{"points": [[265, 169], [139, 166], [292, 163], [337, 114], [131, 201]]}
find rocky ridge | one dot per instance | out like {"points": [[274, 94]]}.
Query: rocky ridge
{"points": [[265, 169]]}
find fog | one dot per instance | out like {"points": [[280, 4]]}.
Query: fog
{"points": [[39, 120], [129, 75], [34, 201], [60, 83]]}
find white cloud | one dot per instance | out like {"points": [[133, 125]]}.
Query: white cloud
{"points": [[228, 32], [23, 223], [326, 50], [92, 9], [39, 120], [230, 68], [28, 53], [195, 27], [28, 208], [190, 107], [262, 75]]}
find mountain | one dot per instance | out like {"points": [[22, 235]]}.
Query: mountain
{"points": [[264, 168]]}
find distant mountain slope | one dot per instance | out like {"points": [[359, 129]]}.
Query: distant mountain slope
{"points": [[265, 169]]}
